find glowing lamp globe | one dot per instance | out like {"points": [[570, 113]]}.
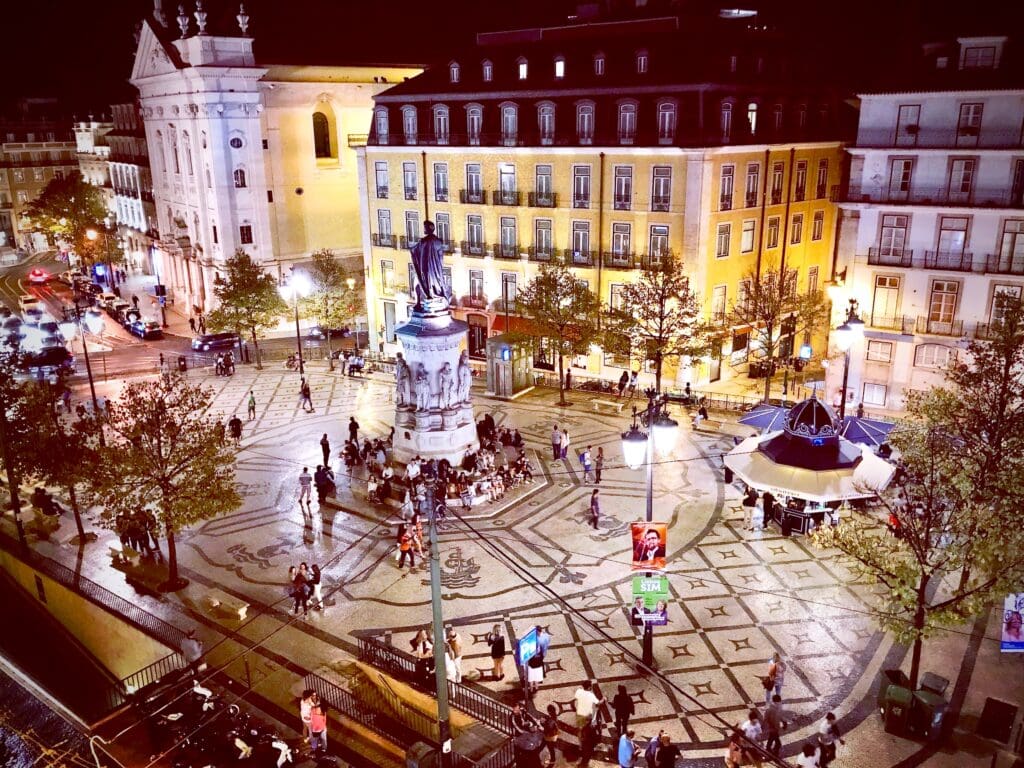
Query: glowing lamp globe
{"points": [[634, 447]]}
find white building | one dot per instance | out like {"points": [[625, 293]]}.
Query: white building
{"points": [[132, 185], [932, 224], [246, 156]]}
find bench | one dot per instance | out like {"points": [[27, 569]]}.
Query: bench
{"points": [[616, 404], [125, 556], [709, 425], [218, 598]]}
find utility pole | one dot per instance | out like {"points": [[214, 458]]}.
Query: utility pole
{"points": [[440, 676]]}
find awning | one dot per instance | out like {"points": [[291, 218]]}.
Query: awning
{"points": [[516, 325]]}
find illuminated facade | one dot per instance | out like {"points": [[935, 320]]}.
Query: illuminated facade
{"points": [[132, 185]]}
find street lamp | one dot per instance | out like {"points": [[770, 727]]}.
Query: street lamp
{"points": [[845, 335], [93, 234], [94, 324], [638, 448], [295, 289]]}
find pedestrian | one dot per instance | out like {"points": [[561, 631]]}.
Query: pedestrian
{"points": [[749, 502], [405, 547], [549, 727], [622, 704], [496, 640], [165, 371], [588, 465], [568, 380], [774, 725], [588, 741], [543, 641], [595, 509], [565, 443], [300, 593], [534, 673], [556, 443], [66, 397], [135, 301], [454, 645], [325, 448], [522, 721], [305, 396], [809, 756], [219, 432], [252, 405], [305, 486], [623, 381], [202, 324], [598, 465], [318, 725], [651, 751], [777, 672], [633, 377], [192, 325], [584, 702], [235, 429], [828, 735], [734, 750], [753, 733], [305, 709], [668, 753], [316, 579], [627, 751]]}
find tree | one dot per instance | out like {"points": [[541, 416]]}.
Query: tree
{"points": [[563, 310], [67, 208], [331, 301], [776, 313], [959, 544], [165, 452], [16, 429], [249, 302], [660, 316]]}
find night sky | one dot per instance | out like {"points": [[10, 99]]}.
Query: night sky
{"points": [[81, 52]]}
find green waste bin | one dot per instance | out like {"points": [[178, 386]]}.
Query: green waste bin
{"points": [[896, 709], [929, 712], [886, 678]]}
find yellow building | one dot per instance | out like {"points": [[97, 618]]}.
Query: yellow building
{"points": [[603, 147]]}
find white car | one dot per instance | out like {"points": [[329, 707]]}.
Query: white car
{"points": [[28, 301]]}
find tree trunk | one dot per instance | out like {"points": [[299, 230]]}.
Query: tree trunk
{"points": [[174, 582], [768, 379], [919, 622], [78, 514], [561, 375], [658, 360], [256, 348]]}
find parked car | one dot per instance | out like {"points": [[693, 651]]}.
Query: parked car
{"points": [[27, 301], [38, 276], [316, 332], [146, 329], [107, 300], [209, 341], [117, 309], [48, 361]]}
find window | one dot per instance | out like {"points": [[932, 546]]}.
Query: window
{"points": [[409, 180], [722, 241], [443, 228], [412, 227], [952, 235], [214, 231], [879, 351], [666, 122], [19, 175], [270, 196], [777, 115], [546, 122], [874, 394], [387, 275], [476, 284], [772, 235], [961, 179], [581, 186], [627, 123], [933, 356], [1011, 247], [37, 174], [725, 185], [410, 276], [173, 138], [475, 233], [797, 229], [641, 62], [544, 193], [821, 183], [718, 304], [969, 124], [901, 170], [474, 184], [509, 237], [743, 295], [321, 136], [778, 173], [726, 122], [409, 127], [752, 117], [658, 242], [245, 234], [509, 124], [236, 142], [474, 122], [187, 144], [487, 71], [661, 188], [581, 242], [239, 176], [380, 125], [942, 304], [559, 67], [384, 225], [585, 123], [615, 296], [599, 64], [621, 239], [543, 243], [885, 301], [380, 170], [747, 236], [818, 225], [801, 117], [893, 235], [441, 183], [800, 181], [22, 196], [442, 124], [812, 280], [982, 57], [508, 289], [522, 68], [753, 181], [1003, 296], [453, 72], [623, 187], [507, 188]]}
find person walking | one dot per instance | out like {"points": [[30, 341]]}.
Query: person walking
{"points": [[753, 732], [318, 725], [235, 428], [454, 642], [598, 465], [252, 405], [556, 443], [627, 750], [543, 641], [192, 325], [586, 459], [66, 397], [305, 395], [305, 709], [565, 443], [549, 727], [774, 725], [828, 735], [300, 593], [588, 742], [810, 756], [315, 580], [353, 429], [667, 753], [305, 486], [202, 324], [584, 702], [595, 509], [405, 548], [496, 640], [633, 377], [325, 449], [651, 750], [622, 704], [777, 673], [623, 381]]}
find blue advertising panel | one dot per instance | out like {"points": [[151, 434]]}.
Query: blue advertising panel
{"points": [[526, 647]]}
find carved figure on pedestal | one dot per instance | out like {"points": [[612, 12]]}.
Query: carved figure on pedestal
{"points": [[445, 387], [422, 387], [432, 293], [463, 378], [403, 381]]}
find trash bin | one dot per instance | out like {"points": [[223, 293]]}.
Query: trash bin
{"points": [[886, 678], [420, 755], [896, 709], [934, 683], [929, 713], [728, 476], [182, 363], [527, 748]]}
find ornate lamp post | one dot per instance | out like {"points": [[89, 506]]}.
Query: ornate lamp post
{"points": [[638, 448], [295, 289], [845, 335], [93, 234]]}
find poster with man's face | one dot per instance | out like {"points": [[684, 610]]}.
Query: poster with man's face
{"points": [[1012, 638], [649, 541]]}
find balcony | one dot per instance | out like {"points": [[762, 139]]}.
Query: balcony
{"points": [[777, 197], [985, 331], [623, 202], [898, 323], [799, 194], [540, 253], [577, 258], [998, 264], [440, 195], [507, 251], [654, 260], [449, 246], [543, 200], [937, 328], [954, 262], [405, 242], [982, 197], [410, 193], [473, 248], [382, 193], [581, 202], [820, 191], [725, 203], [750, 201], [941, 138], [621, 260], [384, 241], [472, 196], [506, 197], [474, 302], [660, 203]]}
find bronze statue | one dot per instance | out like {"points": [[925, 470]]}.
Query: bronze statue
{"points": [[432, 293]]}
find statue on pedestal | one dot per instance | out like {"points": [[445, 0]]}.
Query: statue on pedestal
{"points": [[432, 292], [403, 381], [463, 378], [445, 386], [422, 387]]}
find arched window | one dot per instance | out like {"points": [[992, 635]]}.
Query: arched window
{"points": [[409, 123], [521, 68], [559, 67], [380, 124], [642, 61], [546, 122], [509, 123], [474, 122], [585, 122], [453, 72], [321, 135], [598, 63], [752, 117], [442, 125], [239, 177], [666, 122], [627, 122], [726, 121], [173, 138], [487, 70], [188, 152]]}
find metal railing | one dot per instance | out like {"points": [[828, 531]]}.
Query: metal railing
{"points": [[659, 203], [999, 264], [984, 197], [410, 193], [725, 203], [472, 196], [474, 302], [543, 200], [577, 258], [507, 251], [382, 193], [899, 323], [155, 671], [383, 241], [940, 138], [621, 260], [622, 202], [506, 197], [470, 248], [343, 701], [540, 253], [940, 328], [581, 202], [440, 195]]}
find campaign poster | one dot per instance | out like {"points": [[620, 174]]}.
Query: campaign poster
{"points": [[1011, 639], [650, 600], [526, 647], [649, 543]]}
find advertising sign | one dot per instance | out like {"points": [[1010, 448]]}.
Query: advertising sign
{"points": [[1012, 637], [649, 542], [650, 600], [526, 647]]}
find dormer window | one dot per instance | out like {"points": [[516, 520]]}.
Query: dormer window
{"points": [[409, 127], [521, 68], [559, 67], [599, 64], [752, 117], [641, 62], [453, 72], [488, 71], [980, 57]]}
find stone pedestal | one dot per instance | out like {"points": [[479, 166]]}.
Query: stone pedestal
{"points": [[434, 416]]}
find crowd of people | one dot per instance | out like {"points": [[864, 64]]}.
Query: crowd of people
{"points": [[304, 587]]}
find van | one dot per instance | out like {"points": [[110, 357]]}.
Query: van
{"points": [[209, 341]]}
